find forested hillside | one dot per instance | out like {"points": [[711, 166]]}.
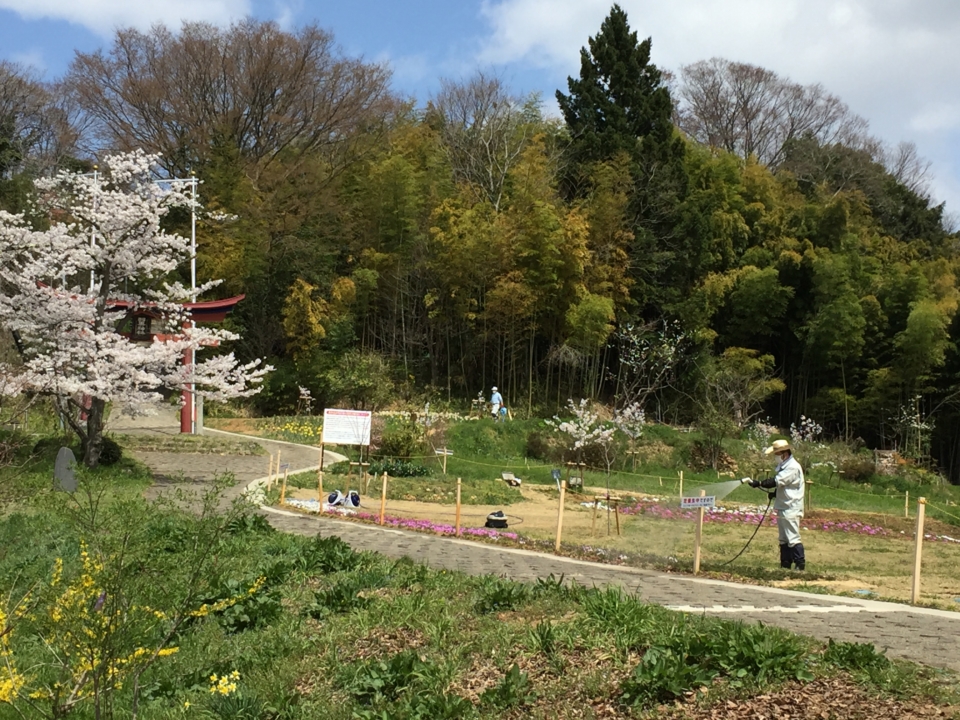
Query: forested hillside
{"points": [[718, 242]]}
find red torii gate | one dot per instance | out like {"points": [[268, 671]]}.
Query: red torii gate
{"points": [[142, 330]]}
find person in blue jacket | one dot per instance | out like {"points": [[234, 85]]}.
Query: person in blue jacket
{"points": [[786, 486], [496, 400]]}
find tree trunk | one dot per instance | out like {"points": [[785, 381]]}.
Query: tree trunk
{"points": [[94, 439]]}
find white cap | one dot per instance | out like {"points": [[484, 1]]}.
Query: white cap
{"points": [[494, 388]]}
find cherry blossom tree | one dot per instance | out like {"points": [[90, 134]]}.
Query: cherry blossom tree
{"points": [[66, 291]]}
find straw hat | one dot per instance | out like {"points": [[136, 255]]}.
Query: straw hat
{"points": [[778, 446]]}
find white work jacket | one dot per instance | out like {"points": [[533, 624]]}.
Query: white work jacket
{"points": [[790, 486]]}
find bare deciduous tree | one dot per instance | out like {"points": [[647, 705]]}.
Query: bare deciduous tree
{"points": [[35, 127], [484, 130], [264, 91], [748, 110]]}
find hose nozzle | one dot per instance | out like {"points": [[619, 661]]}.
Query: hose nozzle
{"points": [[744, 481]]}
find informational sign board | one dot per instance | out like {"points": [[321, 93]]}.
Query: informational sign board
{"points": [[346, 427], [687, 503]]}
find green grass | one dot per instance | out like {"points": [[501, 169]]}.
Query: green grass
{"points": [[331, 633], [340, 634]]}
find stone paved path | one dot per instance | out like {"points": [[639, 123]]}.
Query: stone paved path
{"points": [[919, 634]]}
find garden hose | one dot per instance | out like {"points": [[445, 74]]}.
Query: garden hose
{"points": [[755, 531]]}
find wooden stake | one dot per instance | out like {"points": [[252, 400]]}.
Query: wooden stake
{"points": [[277, 476], [383, 498], [661, 481], [699, 537], [270, 471], [616, 515], [320, 483], [444, 459], [563, 492], [906, 505], [918, 552], [807, 501], [681, 483], [283, 487], [458, 507]]}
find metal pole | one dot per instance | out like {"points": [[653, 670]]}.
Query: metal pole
{"points": [[193, 288]]}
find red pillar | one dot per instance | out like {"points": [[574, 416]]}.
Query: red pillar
{"points": [[186, 405]]}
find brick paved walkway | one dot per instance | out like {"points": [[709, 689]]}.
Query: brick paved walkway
{"points": [[920, 634]]}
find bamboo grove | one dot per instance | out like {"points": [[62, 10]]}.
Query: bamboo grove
{"points": [[666, 234]]}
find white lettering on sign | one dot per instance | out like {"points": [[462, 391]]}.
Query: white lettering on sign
{"points": [[696, 502], [346, 427]]}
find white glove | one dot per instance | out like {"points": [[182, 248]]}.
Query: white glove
{"points": [[744, 481]]}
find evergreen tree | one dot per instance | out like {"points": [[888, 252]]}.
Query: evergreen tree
{"points": [[620, 104]]}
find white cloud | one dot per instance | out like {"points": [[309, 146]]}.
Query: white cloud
{"points": [[895, 62], [104, 16]]}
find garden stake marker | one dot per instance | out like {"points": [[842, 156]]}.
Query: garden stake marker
{"points": [[383, 497], [681, 484], [269, 471], [918, 552], [906, 505], [320, 485], [283, 487], [563, 491], [699, 537], [458, 507]]}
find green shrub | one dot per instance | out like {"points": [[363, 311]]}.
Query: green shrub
{"points": [[858, 469], [539, 446], [402, 439], [513, 691], [398, 468], [854, 656], [664, 674], [249, 524], [253, 610], [327, 555], [385, 680], [110, 452], [498, 594]]}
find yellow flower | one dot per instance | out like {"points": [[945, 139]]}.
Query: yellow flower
{"points": [[186, 705]]}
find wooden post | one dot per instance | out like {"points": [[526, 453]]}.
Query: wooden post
{"points": [[918, 552], [807, 502], [277, 471], [906, 505], [458, 507], [444, 459], [283, 487], [383, 498], [681, 483], [699, 537], [563, 492], [270, 471], [320, 483], [616, 515], [661, 481]]}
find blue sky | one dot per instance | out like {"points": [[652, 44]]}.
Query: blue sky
{"points": [[895, 62]]}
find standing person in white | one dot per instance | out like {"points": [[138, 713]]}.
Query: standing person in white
{"points": [[496, 400], [787, 485]]}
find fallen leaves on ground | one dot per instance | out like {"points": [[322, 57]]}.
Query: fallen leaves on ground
{"points": [[837, 698]]}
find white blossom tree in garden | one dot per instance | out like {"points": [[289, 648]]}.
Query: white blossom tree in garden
{"points": [[62, 287]]}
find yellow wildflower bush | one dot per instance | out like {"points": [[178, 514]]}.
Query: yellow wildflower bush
{"points": [[97, 639]]}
